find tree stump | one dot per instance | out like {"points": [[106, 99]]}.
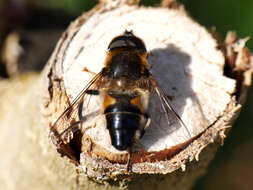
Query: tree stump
{"points": [[206, 82]]}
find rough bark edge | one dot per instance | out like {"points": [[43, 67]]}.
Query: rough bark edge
{"points": [[56, 91], [97, 167]]}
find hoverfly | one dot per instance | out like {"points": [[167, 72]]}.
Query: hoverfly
{"points": [[125, 86]]}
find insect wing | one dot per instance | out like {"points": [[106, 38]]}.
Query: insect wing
{"points": [[162, 113], [69, 121]]}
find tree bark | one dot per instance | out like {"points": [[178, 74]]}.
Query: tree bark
{"points": [[207, 86]]}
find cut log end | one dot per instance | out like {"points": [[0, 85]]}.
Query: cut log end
{"points": [[185, 62]]}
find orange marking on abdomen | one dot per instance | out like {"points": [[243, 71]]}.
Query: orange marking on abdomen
{"points": [[108, 100], [138, 103]]}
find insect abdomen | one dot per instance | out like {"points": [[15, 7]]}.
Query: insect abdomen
{"points": [[125, 122]]}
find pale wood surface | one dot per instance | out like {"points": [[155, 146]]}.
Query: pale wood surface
{"points": [[185, 62]]}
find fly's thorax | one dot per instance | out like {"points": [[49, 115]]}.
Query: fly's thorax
{"points": [[124, 63]]}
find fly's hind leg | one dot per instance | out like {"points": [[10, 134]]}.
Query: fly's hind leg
{"points": [[129, 165], [138, 134]]}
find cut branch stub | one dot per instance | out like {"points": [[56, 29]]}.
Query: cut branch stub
{"points": [[185, 62]]}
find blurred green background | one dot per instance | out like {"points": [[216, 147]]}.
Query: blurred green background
{"points": [[232, 167]]}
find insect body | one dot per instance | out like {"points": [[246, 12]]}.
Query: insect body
{"points": [[126, 101], [125, 85]]}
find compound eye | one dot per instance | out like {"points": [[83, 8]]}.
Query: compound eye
{"points": [[128, 40], [120, 42]]}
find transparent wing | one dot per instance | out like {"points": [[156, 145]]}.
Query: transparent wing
{"points": [[69, 121], [162, 113]]}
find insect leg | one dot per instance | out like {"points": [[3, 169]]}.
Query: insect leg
{"points": [[129, 166], [92, 92]]}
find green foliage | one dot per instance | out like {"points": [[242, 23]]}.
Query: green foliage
{"points": [[72, 6], [225, 15]]}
